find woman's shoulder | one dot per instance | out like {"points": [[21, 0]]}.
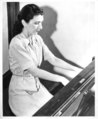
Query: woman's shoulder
{"points": [[17, 40], [14, 40]]}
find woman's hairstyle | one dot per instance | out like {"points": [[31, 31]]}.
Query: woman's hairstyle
{"points": [[27, 13]]}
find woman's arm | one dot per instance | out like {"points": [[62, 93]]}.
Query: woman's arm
{"points": [[57, 62], [37, 72], [64, 68]]}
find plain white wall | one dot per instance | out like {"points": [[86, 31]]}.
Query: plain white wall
{"points": [[75, 33], [5, 38]]}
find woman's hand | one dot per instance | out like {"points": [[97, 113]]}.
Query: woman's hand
{"points": [[63, 80], [67, 73]]}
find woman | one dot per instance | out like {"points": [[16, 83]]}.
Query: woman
{"points": [[26, 93]]}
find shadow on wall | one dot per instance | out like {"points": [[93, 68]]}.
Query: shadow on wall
{"points": [[49, 27]]}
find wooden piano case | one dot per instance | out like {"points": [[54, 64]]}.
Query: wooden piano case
{"points": [[69, 101]]}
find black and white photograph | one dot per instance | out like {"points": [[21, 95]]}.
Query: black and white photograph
{"points": [[48, 58]]}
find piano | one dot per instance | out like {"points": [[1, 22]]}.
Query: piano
{"points": [[69, 100]]}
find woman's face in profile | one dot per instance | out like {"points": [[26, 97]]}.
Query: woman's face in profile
{"points": [[34, 25]]}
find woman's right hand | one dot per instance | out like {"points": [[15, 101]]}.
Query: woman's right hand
{"points": [[63, 80]]}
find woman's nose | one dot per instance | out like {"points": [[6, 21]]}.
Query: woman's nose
{"points": [[40, 26]]}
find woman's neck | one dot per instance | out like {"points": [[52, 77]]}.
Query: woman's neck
{"points": [[24, 32]]}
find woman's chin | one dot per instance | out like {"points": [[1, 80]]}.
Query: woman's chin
{"points": [[34, 33]]}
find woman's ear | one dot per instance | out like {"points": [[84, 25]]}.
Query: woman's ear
{"points": [[23, 22]]}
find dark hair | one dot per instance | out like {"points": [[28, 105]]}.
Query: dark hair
{"points": [[27, 13]]}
